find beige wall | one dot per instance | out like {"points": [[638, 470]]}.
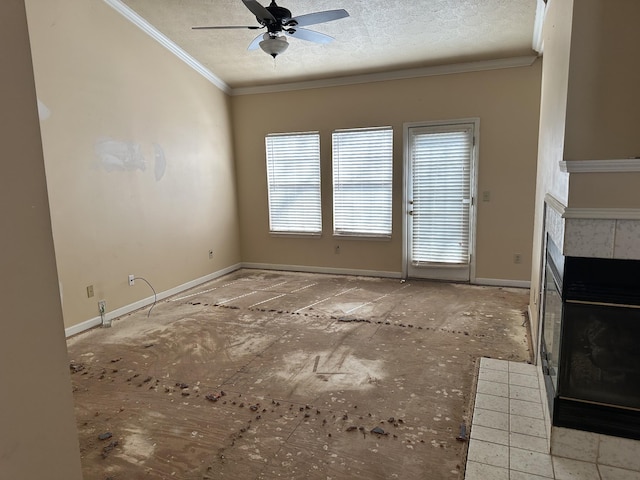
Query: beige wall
{"points": [[603, 111], [119, 104], [553, 105], [38, 433], [507, 103]]}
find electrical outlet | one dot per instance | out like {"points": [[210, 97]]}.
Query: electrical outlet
{"points": [[132, 280], [210, 254], [336, 249], [517, 258], [89, 291], [486, 196]]}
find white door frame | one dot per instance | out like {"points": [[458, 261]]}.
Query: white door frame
{"points": [[475, 121]]}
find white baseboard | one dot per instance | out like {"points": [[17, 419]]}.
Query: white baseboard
{"points": [[82, 326], [329, 270], [375, 273], [96, 321], [497, 282]]}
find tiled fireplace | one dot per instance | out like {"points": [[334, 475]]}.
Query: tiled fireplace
{"points": [[590, 339], [589, 348], [582, 419]]}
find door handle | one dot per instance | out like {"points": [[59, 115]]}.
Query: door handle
{"points": [[410, 212]]}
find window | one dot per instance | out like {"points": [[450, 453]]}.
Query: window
{"points": [[362, 181], [293, 179]]}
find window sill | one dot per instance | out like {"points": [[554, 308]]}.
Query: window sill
{"points": [[296, 234], [365, 237]]}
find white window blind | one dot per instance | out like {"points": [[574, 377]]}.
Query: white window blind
{"points": [[362, 181], [293, 178], [441, 167]]}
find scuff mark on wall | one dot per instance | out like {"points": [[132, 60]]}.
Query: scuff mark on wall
{"points": [[160, 165], [43, 111], [118, 155]]}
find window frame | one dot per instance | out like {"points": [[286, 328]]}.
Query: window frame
{"points": [[283, 182], [340, 186]]}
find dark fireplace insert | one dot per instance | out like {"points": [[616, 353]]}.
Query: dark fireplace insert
{"points": [[590, 349]]}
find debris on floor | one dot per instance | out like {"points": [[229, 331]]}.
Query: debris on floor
{"points": [[268, 375]]}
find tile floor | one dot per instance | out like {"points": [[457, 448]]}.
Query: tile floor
{"points": [[509, 439]]}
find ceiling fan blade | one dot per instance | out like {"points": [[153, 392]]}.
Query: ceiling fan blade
{"points": [[259, 11], [226, 27], [255, 43], [318, 17], [309, 35]]}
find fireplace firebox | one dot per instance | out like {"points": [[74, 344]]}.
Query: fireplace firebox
{"points": [[590, 349]]}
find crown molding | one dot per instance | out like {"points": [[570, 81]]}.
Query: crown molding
{"points": [[163, 40], [537, 42], [591, 213], [624, 165], [512, 62], [556, 204], [133, 17]]}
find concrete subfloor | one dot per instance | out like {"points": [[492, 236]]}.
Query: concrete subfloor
{"points": [[269, 375]]}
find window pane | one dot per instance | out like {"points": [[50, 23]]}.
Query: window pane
{"points": [[362, 181], [293, 178], [441, 163]]}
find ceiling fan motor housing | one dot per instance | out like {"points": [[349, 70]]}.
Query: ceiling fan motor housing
{"points": [[282, 16]]}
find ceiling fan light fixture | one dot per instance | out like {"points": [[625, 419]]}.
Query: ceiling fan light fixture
{"points": [[274, 46]]}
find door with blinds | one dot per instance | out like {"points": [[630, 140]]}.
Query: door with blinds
{"points": [[440, 165]]}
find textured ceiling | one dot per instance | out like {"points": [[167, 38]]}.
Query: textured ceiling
{"points": [[378, 36]]}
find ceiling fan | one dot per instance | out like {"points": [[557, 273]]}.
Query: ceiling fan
{"points": [[280, 24]]}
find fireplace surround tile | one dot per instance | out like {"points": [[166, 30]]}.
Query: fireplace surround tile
{"points": [[482, 471], [493, 375], [494, 364], [521, 369], [526, 409], [500, 452], [493, 435], [522, 380], [626, 244], [524, 393], [614, 473], [585, 237], [488, 453], [619, 452], [492, 402], [489, 418], [528, 461], [494, 388], [575, 444], [528, 442], [528, 426], [525, 476], [569, 469]]}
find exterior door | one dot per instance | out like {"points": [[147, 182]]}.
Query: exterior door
{"points": [[440, 187]]}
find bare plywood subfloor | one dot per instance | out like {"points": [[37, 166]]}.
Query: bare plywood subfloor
{"points": [[269, 375]]}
